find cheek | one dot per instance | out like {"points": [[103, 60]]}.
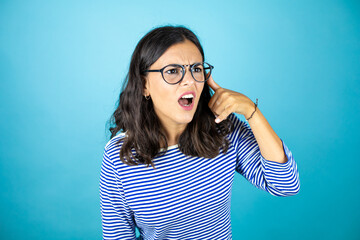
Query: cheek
{"points": [[163, 95], [164, 98], [200, 87]]}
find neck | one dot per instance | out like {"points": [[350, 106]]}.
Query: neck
{"points": [[173, 133]]}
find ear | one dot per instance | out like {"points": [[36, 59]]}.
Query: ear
{"points": [[145, 89], [145, 92]]}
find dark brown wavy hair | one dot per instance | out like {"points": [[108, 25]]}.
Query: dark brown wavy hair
{"points": [[136, 116]]}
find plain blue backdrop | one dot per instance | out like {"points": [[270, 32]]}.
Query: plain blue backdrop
{"points": [[62, 64]]}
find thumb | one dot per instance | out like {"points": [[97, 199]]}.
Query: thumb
{"points": [[212, 83]]}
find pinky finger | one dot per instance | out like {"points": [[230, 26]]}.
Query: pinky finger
{"points": [[223, 116]]}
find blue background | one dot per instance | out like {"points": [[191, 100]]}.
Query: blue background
{"points": [[61, 68]]}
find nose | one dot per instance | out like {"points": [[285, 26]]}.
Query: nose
{"points": [[188, 78]]}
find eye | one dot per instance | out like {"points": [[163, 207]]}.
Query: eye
{"points": [[197, 69], [172, 71]]}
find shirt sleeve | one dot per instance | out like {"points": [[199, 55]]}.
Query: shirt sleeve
{"points": [[278, 179], [117, 218]]}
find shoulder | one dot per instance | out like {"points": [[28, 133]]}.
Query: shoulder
{"points": [[240, 127], [113, 146], [115, 141], [237, 122], [112, 152]]}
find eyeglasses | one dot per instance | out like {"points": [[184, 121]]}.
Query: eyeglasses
{"points": [[174, 73]]}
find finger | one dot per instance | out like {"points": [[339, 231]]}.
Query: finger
{"points": [[213, 84], [214, 101], [224, 114], [219, 108]]}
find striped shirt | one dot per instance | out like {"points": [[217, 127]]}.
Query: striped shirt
{"points": [[186, 197]]}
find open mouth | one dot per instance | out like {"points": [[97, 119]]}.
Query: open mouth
{"points": [[186, 100]]}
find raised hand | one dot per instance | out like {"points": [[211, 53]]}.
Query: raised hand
{"points": [[225, 101]]}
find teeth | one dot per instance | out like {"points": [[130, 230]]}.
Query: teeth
{"points": [[188, 96]]}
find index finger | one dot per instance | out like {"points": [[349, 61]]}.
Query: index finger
{"points": [[212, 83]]}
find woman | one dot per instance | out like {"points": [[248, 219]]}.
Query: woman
{"points": [[168, 118]]}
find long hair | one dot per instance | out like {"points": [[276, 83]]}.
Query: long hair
{"points": [[136, 116]]}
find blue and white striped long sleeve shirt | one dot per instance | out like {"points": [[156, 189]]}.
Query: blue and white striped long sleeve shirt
{"points": [[186, 197]]}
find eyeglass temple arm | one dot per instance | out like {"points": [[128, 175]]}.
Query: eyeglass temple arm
{"points": [[210, 66], [152, 71]]}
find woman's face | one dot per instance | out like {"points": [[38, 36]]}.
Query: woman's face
{"points": [[165, 97]]}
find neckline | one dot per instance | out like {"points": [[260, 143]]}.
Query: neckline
{"points": [[161, 149], [169, 147]]}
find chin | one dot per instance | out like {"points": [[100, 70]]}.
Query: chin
{"points": [[188, 120], [186, 117]]}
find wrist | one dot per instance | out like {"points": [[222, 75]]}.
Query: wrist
{"points": [[252, 108]]}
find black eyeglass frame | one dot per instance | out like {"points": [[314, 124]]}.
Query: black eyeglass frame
{"points": [[211, 67]]}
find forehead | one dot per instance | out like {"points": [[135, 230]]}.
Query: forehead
{"points": [[180, 53]]}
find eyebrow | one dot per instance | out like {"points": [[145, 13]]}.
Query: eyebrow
{"points": [[182, 64]]}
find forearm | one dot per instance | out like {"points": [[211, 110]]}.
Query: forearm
{"points": [[225, 101], [269, 143]]}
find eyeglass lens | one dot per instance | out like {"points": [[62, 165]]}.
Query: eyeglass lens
{"points": [[173, 73]]}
